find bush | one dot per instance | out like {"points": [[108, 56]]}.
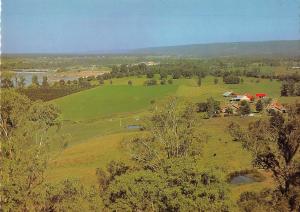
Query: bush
{"points": [[231, 79], [163, 82], [150, 82]]}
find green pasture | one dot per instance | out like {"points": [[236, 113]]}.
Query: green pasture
{"points": [[108, 100]]}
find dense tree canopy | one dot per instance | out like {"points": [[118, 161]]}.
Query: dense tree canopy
{"points": [[24, 143]]}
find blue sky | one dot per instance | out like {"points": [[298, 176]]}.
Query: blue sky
{"points": [[81, 26]]}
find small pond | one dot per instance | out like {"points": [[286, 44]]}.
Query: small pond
{"points": [[245, 177], [132, 127], [242, 179]]}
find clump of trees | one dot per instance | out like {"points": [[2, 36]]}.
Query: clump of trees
{"points": [[259, 106], [244, 108], [290, 88], [275, 145], [150, 82], [211, 107], [231, 79], [163, 175]]}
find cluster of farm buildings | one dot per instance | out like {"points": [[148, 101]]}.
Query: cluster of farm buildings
{"points": [[235, 99]]}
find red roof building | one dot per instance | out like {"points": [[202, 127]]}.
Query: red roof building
{"points": [[249, 96], [260, 95]]}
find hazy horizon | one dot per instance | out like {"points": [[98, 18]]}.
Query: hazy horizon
{"points": [[114, 26]]}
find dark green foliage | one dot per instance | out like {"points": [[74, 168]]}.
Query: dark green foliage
{"points": [[244, 108], [24, 140], [213, 107], [284, 89], [163, 75], [297, 89], [69, 196], [199, 81], [176, 75], [166, 176], [187, 74], [259, 105], [45, 81], [216, 80], [6, 80], [266, 200], [49, 93], [170, 81], [150, 74], [290, 88], [202, 107], [150, 82], [62, 83], [275, 146], [231, 79], [229, 110], [84, 83], [21, 82], [34, 81], [176, 186], [100, 80], [163, 82]]}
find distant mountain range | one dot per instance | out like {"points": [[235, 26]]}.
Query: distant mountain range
{"points": [[263, 48]]}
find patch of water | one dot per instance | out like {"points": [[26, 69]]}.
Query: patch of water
{"points": [[242, 179], [134, 127]]}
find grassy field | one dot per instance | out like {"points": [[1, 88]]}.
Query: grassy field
{"points": [[96, 121], [108, 100]]}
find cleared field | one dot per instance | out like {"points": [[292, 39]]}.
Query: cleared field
{"points": [[80, 161], [108, 100], [209, 89]]}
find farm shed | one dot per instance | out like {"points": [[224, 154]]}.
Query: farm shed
{"points": [[229, 94], [260, 95], [240, 98], [276, 106], [250, 96]]}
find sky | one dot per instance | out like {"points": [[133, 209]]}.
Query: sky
{"points": [[87, 26]]}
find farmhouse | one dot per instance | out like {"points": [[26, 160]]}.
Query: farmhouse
{"points": [[229, 94], [249, 96], [239, 98], [276, 106], [230, 107], [260, 95]]}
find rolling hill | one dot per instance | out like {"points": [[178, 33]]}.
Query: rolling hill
{"points": [[263, 48]]}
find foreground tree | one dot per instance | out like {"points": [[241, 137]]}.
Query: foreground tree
{"points": [[23, 157], [6, 79], [275, 147], [177, 186]]}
